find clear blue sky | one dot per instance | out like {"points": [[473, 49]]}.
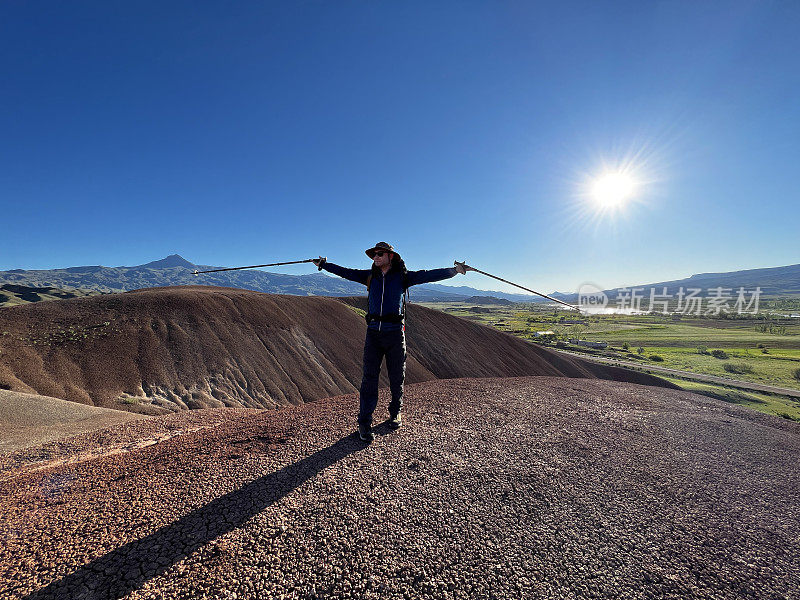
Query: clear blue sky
{"points": [[243, 132]]}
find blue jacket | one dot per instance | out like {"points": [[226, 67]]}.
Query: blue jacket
{"points": [[386, 291]]}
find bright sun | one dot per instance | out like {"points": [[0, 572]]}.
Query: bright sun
{"points": [[612, 190]]}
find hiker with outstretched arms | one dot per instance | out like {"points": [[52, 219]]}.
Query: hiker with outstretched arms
{"points": [[386, 282]]}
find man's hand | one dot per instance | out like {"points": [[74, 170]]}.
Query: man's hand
{"points": [[462, 267], [320, 261]]}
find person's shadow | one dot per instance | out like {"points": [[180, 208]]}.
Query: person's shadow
{"points": [[126, 568]]}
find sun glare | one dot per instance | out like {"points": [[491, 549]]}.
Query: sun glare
{"points": [[612, 190]]}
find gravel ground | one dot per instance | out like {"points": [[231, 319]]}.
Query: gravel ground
{"points": [[532, 487]]}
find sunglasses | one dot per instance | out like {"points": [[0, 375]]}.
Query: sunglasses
{"points": [[379, 253]]}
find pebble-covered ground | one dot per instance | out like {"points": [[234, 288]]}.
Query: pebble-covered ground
{"points": [[533, 487]]}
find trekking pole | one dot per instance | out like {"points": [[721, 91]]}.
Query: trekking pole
{"points": [[466, 266], [291, 262]]}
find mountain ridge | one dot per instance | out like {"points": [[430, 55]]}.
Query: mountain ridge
{"points": [[773, 281], [175, 270], [173, 260]]}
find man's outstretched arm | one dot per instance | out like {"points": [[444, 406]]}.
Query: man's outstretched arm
{"points": [[357, 275], [418, 277]]}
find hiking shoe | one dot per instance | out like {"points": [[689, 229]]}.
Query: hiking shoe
{"points": [[395, 421], [365, 433]]}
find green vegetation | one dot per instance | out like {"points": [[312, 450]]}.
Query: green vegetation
{"points": [[755, 349], [770, 327], [358, 311], [738, 368], [773, 404], [767, 355]]}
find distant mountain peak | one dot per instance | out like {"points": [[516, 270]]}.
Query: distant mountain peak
{"points": [[173, 260]]}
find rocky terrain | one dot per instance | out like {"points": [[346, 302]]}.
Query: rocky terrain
{"points": [[160, 350], [538, 487]]}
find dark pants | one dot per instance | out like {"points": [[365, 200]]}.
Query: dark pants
{"points": [[378, 344]]}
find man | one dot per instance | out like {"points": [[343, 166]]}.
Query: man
{"points": [[386, 284]]}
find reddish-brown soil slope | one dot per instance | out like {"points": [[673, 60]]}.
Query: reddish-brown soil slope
{"points": [[540, 487], [31, 420], [165, 349]]}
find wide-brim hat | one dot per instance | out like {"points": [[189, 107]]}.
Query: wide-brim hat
{"points": [[381, 246]]}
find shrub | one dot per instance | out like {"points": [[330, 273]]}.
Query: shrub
{"points": [[796, 374], [656, 358], [358, 311], [739, 368], [721, 354], [640, 350], [702, 350], [626, 346], [761, 346]]}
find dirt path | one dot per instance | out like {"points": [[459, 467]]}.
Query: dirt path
{"points": [[509, 488]]}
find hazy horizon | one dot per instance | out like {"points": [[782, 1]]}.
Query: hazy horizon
{"points": [[473, 280]]}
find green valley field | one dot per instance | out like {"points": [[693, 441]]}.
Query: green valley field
{"points": [[763, 350]]}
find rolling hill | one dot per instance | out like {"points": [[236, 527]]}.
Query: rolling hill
{"points": [[14, 295], [168, 349], [28, 420]]}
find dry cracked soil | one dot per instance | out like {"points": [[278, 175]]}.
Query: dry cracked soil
{"points": [[532, 487]]}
